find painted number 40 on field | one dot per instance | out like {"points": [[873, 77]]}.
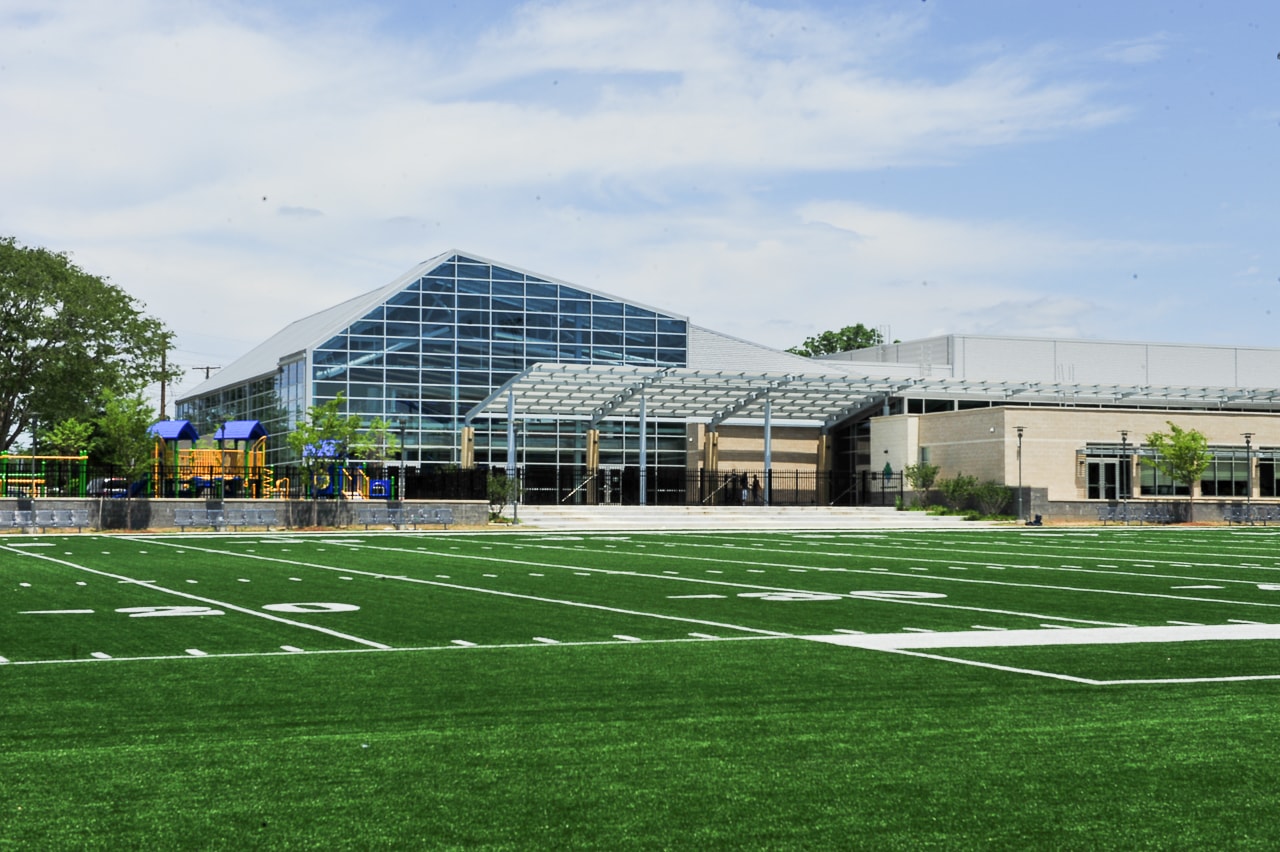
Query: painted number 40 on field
{"points": [[171, 611], [824, 596]]}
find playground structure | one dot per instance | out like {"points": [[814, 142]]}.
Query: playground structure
{"points": [[234, 466], [335, 476], [43, 476]]}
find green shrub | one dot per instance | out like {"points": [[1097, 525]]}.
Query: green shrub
{"points": [[921, 478], [957, 490], [992, 497]]}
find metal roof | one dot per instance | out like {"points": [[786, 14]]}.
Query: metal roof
{"points": [[599, 392]]}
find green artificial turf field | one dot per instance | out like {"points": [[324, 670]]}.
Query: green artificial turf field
{"points": [[1082, 689]]}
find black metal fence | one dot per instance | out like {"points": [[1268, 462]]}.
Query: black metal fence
{"points": [[667, 487], [536, 485]]}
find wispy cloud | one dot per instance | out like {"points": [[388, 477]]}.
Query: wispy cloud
{"points": [[285, 162], [1137, 51]]}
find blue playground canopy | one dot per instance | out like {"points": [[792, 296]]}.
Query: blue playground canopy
{"points": [[174, 430], [240, 430]]}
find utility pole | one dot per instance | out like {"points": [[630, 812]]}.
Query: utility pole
{"points": [[164, 361]]}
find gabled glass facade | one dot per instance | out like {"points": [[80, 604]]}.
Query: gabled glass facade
{"points": [[445, 341]]}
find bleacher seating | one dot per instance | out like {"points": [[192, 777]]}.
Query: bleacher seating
{"points": [[249, 516], [377, 514], [1244, 513], [1112, 513], [236, 517], [428, 515], [371, 515], [1137, 512], [45, 519], [1158, 513], [19, 520]]}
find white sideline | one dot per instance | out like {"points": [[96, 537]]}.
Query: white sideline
{"points": [[1024, 638]]}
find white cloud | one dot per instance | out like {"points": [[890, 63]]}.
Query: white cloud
{"points": [[237, 170], [1137, 51]]}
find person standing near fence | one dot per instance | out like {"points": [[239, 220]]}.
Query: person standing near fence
{"points": [[755, 490]]}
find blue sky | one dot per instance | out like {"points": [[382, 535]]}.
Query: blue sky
{"points": [[769, 169]]}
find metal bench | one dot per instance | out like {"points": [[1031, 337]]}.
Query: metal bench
{"points": [[48, 519], [15, 520], [1157, 513], [440, 515], [264, 517], [1111, 514], [183, 518], [1236, 513], [1265, 513], [376, 515], [249, 516]]}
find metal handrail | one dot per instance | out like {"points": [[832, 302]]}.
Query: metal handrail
{"points": [[584, 484]]}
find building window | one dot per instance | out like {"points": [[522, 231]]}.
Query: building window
{"points": [[1226, 476], [1156, 483]]}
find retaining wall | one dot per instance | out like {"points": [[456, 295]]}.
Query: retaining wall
{"points": [[158, 514]]}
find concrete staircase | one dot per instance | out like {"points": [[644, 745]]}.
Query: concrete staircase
{"points": [[732, 518]]}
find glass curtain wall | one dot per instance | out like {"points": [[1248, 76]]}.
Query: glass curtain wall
{"points": [[445, 342]]}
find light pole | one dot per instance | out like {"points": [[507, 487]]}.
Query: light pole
{"points": [[1019, 430], [1126, 471], [1248, 475]]}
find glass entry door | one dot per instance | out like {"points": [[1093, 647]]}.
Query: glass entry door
{"points": [[1108, 479]]}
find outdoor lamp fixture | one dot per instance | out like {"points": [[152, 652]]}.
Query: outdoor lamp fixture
{"points": [[1248, 473], [1127, 472], [1019, 430]]}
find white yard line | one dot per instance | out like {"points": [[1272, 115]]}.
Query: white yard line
{"points": [[916, 644], [879, 572], [1029, 638], [702, 581], [1011, 669], [479, 590], [456, 645], [210, 601]]}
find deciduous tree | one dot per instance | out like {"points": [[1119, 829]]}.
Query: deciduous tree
{"points": [[71, 437], [1181, 454], [325, 437], [123, 441], [830, 342], [66, 336]]}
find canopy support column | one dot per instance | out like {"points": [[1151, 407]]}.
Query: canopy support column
{"points": [[644, 451], [593, 466], [511, 455], [768, 448], [823, 469], [711, 451], [468, 447]]}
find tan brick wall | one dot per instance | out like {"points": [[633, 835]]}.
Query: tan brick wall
{"points": [[983, 442], [794, 448]]}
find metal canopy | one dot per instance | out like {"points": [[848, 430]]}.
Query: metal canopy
{"points": [[597, 392]]}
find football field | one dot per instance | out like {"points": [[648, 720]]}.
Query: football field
{"points": [[1016, 688]]}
